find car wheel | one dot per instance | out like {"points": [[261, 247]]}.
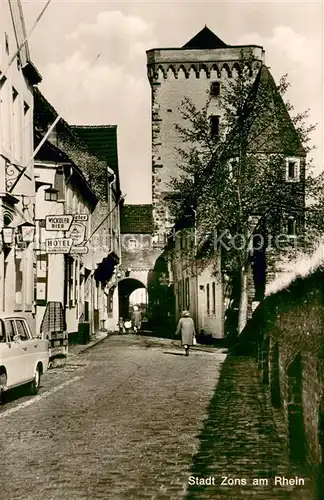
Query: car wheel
{"points": [[34, 386], [3, 385]]}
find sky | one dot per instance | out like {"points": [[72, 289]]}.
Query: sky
{"points": [[113, 88]]}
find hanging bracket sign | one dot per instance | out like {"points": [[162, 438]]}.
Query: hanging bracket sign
{"points": [[58, 245], [77, 233], [58, 222], [80, 217]]}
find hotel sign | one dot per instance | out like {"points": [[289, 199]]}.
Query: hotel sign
{"points": [[58, 245]]}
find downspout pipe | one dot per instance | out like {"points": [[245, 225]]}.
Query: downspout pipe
{"points": [[110, 208]]}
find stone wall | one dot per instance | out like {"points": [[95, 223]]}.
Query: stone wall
{"points": [[286, 333], [138, 252], [175, 74]]}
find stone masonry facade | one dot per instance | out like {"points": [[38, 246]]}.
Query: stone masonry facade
{"points": [[175, 74]]}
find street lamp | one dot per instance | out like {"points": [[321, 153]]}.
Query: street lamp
{"points": [[26, 232], [8, 235]]}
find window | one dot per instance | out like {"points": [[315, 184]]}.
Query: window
{"points": [[187, 293], [291, 226], [208, 299], [292, 169], [2, 332], [19, 283], [21, 329], [9, 327], [179, 296], [71, 282], [132, 244], [7, 219], [51, 194], [59, 182], [215, 89], [232, 165], [214, 124], [110, 303], [214, 297], [17, 124]]}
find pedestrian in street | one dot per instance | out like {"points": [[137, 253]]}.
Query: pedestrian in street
{"points": [[121, 326], [136, 319], [186, 328], [128, 326]]}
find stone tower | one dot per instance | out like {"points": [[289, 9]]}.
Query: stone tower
{"points": [[203, 64]]}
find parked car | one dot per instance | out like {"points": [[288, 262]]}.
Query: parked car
{"points": [[23, 358]]}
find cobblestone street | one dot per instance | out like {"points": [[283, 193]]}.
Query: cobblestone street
{"points": [[133, 418]]}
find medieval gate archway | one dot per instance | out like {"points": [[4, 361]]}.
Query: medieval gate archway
{"points": [[139, 254]]}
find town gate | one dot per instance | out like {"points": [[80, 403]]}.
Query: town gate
{"points": [[141, 262]]}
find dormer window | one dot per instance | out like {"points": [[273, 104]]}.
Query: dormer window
{"points": [[51, 194], [215, 89], [292, 169]]}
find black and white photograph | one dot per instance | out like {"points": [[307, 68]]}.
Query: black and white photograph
{"points": [[161, 250]]}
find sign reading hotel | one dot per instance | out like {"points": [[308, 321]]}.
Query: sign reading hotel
{"points": [[58, 222], [58, 245], [75, 232]]}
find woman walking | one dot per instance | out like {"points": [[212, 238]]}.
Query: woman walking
{"points": [[186, 328]]}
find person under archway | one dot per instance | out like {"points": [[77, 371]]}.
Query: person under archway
{"points": [[186, 328], [136, 319]]}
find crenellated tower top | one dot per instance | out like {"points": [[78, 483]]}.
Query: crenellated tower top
{"points": [[202, 66], [205, 52]]}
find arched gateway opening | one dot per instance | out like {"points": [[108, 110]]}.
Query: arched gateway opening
{"points": [[125, 288]]}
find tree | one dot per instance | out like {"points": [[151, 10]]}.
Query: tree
{"points": [[249, 180]]}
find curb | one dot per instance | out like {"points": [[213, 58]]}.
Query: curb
{"points": [[91, 345]]}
